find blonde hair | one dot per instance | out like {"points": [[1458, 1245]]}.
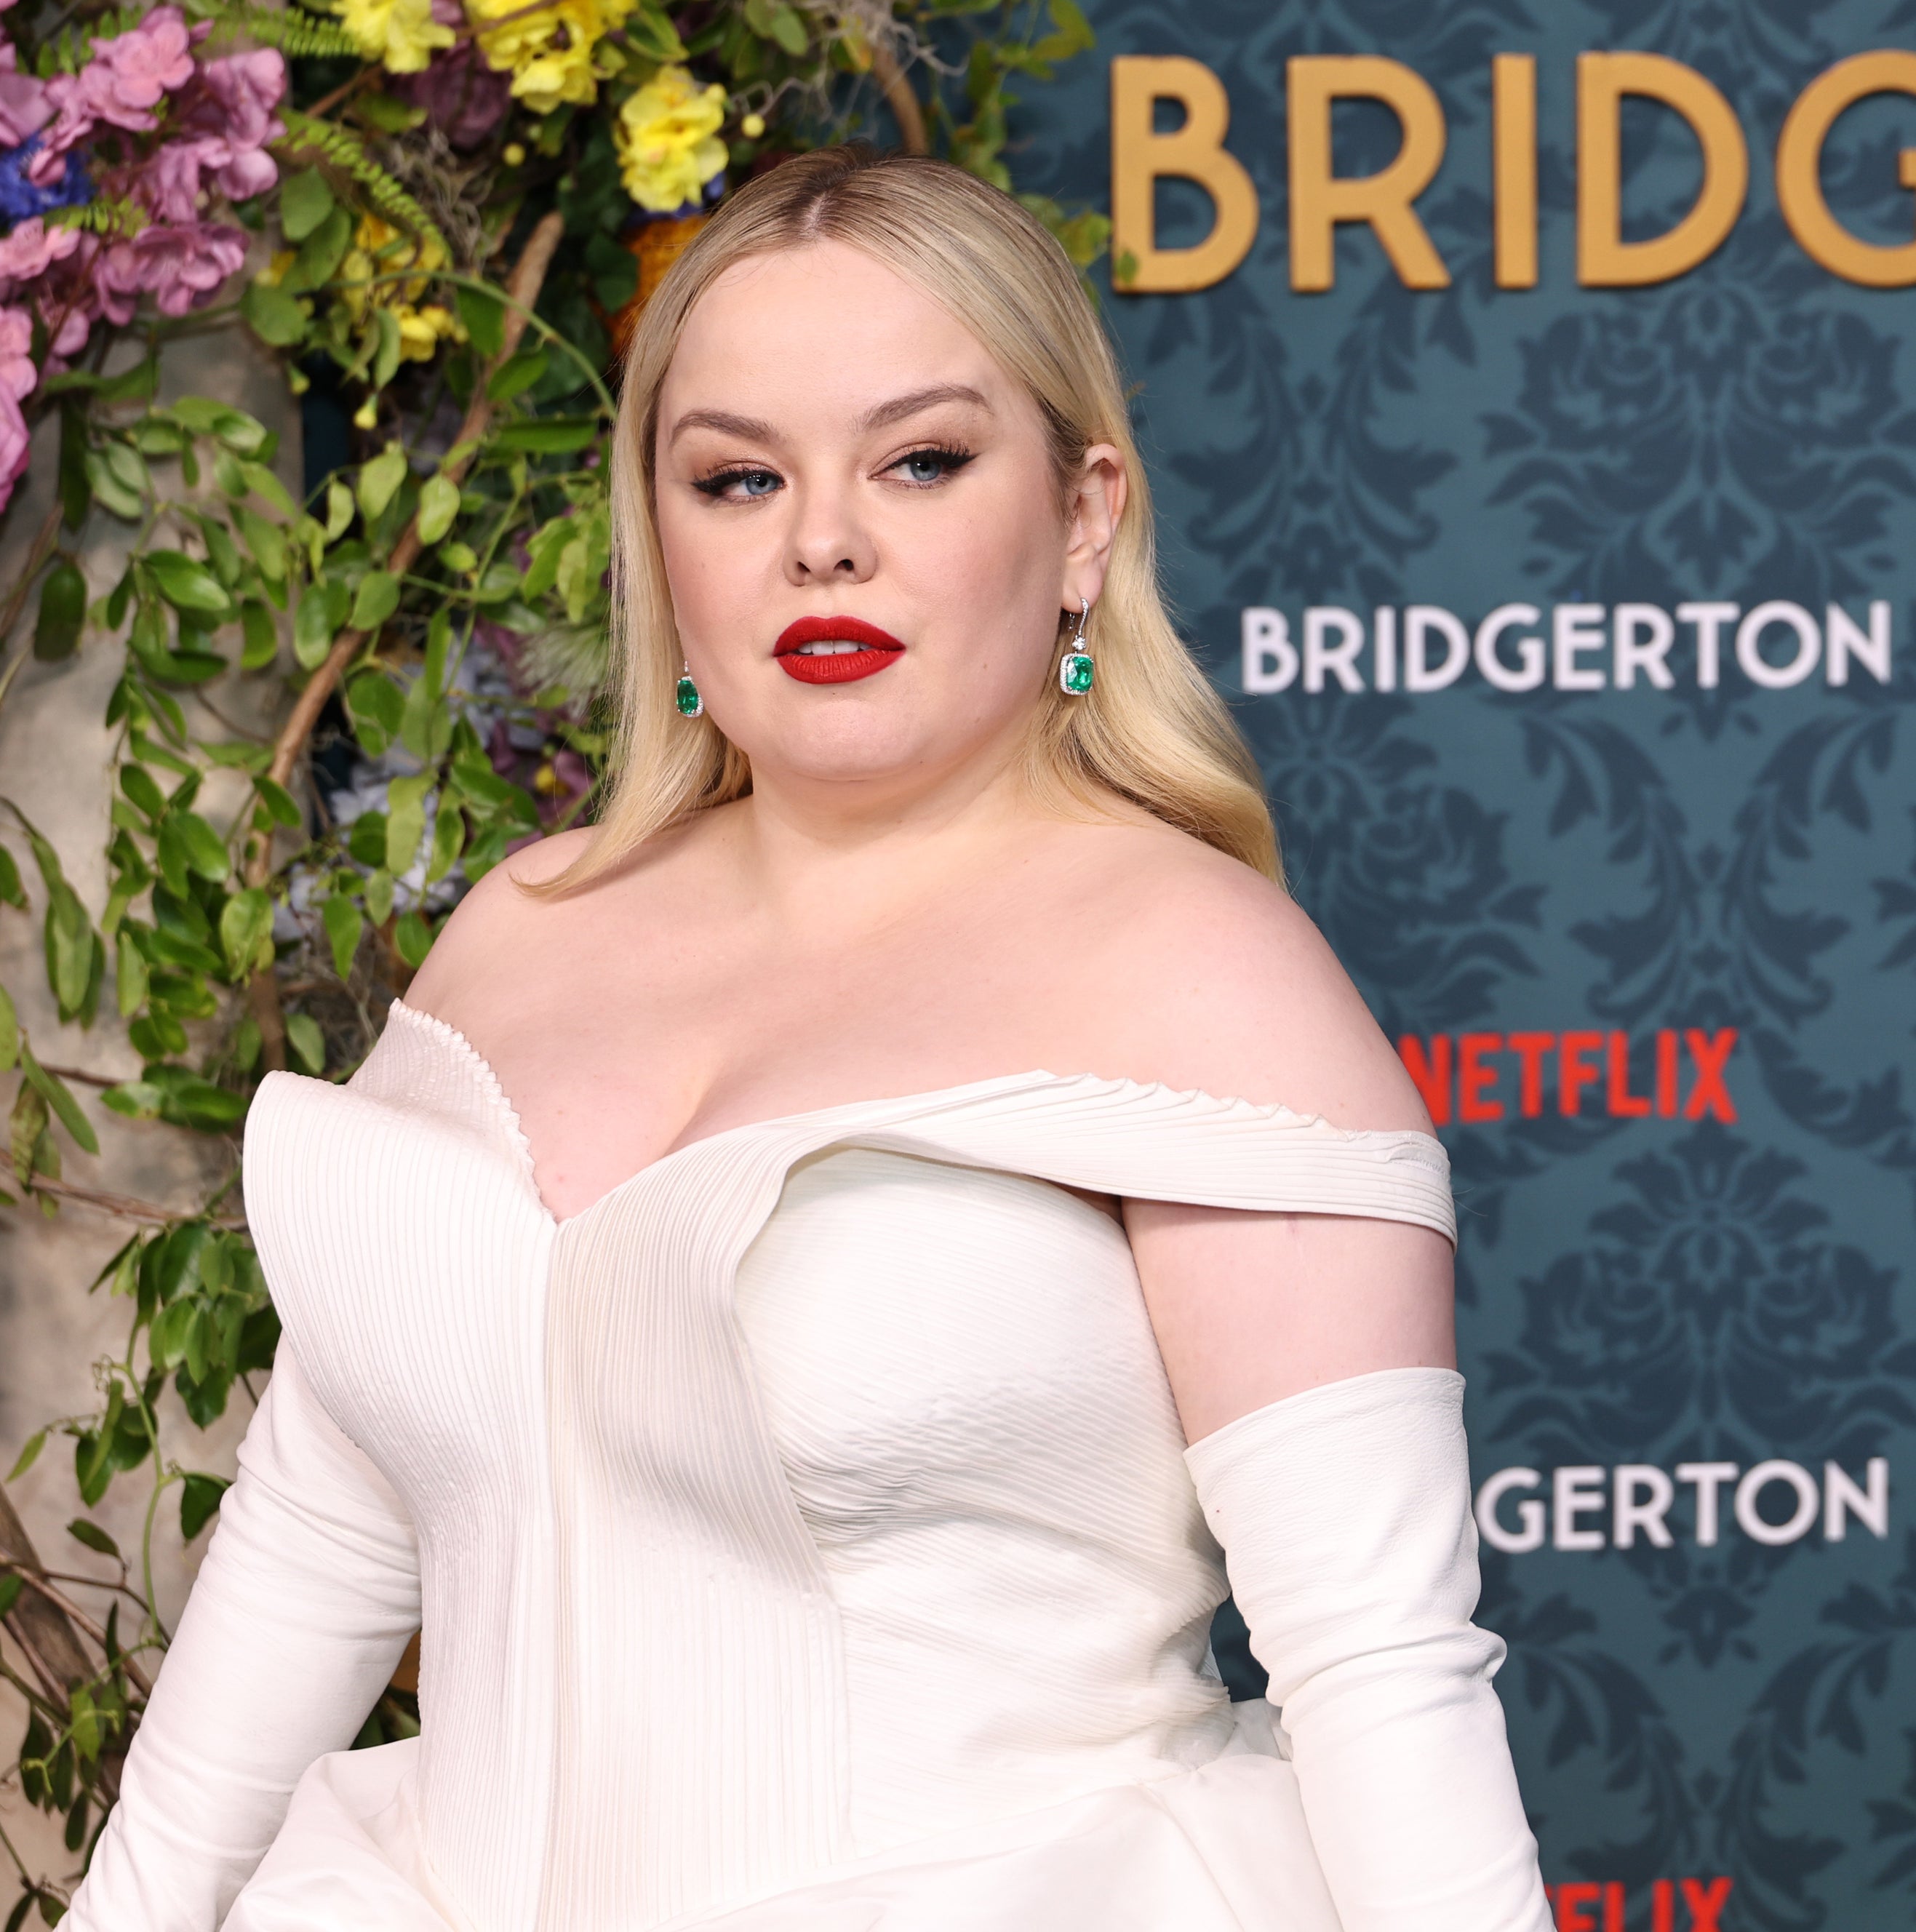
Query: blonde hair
{"points": [[1151, 730]]}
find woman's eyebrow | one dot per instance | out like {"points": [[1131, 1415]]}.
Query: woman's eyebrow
{"points": [[750, 428], [882, 416]]}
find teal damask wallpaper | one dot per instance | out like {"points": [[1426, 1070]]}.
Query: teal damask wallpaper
{"points": [[1575, 628]]}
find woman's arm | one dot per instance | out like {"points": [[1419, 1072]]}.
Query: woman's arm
{"points": [[1312, 1360], [305, 1600]]}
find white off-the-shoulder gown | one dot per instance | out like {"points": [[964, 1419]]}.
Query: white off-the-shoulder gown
{"points": [[801, 1534]]}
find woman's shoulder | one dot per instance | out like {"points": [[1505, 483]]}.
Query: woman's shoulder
{"points": [[1213, 977]]}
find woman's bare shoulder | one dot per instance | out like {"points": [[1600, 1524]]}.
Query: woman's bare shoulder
{"points": [[497, 923], [1216, 979]]}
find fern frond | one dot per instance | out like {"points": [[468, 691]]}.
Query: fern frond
{"points": [[292, 30], [384, 195], [109, 216]]}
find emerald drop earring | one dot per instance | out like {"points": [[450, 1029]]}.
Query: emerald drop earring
{"points": [[690, 705], [1075, 670]]}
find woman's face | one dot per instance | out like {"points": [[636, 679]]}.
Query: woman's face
{"points": [[862, 525]]}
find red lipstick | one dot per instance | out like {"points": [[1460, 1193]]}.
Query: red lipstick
{"points": [[876, 648]]}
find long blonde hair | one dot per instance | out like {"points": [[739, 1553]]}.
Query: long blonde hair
{"points": [[1151, 730]]}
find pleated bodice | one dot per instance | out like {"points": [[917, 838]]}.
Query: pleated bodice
{"points": [[815, 1492]]}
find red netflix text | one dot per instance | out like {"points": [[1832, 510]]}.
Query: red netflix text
{"points": [[1676, 1905], [1489, 1076]]}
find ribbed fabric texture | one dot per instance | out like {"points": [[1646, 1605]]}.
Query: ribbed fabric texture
{"points": [[814, 1494]]}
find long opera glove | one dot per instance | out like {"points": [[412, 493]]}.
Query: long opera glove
{"points": [[305, 1600], [1344, 1515]]}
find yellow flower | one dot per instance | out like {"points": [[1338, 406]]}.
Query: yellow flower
{"points": [[274, 273], [668, 138], [422, 330], [547, 48], [402, 34]]}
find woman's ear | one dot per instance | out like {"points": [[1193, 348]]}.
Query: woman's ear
{"points": [[1096, 503]]}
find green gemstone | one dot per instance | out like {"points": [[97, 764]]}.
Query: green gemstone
{"points": [[690, 702], [1079, 672]]}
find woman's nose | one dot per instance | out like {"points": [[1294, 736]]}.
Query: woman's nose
{"points": [[829, 544]]}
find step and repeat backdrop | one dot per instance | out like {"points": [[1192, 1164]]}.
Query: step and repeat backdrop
{"points": [[1530, 386]]}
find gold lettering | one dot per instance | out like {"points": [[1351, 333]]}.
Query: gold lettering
{"points": [[1193, 152], [1320, 200], [1799, 170], [1513, 124], [1604, 259]]}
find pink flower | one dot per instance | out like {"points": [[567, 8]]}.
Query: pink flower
{"points": [[15, 446], [18, 377], [228, 116], [121, 85], [31, 249], [246, 89], [24, 107], [180, 265]]}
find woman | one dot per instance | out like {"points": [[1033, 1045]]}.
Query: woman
{"points": [[768, 1387]]}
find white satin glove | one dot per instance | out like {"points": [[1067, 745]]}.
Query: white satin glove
{"points": [[1344, 1515], [305, 1600]]}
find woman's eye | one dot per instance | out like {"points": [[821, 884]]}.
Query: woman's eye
{"points": [[740, 483], [931, 465]]}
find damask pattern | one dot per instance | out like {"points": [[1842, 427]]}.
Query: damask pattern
{"points": [[1641, 1291]]}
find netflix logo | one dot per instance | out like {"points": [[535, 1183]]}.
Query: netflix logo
{"points": [[1676, 1905], [1494, 1076]]}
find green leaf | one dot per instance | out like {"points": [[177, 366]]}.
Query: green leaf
{"points": [[448, 840], [246, 932], [83, 1720], [386, 359], [262, 636], [69, 943], [406, 819], [206, 850], [12, 892], [264, 538], [62, 613], [11, 1587], [339, 509], [377, 599], [485, 318], [414, 938], [788, 30], [305, 201], [245, 435], [548, 436], [379, 896], [388, 116], [108, 490], [273, 316], [513, 377], [280, 803], [65, 1108], [28, 1456], [263, 483], [320, 254], [199, 1503], [439, 504], [543, 553], [321, 612], [10, 1033], [344, 923], [130, 978], [379, 480], [137, 1099], [93, 1536], [307, 1041], [185, 585], [459, 556]]}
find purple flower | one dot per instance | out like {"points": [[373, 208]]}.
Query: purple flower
{"points": [[17, 378], [462, 98], [20, 198], [228, 116], [121, 85], [31, 250], [24, 107], [179, 265]]}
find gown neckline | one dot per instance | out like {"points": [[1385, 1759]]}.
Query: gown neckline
{"points": [[508, 1113]]}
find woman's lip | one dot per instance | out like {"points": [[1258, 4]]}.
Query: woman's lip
{"points": [[878, 649], [833, 630]]}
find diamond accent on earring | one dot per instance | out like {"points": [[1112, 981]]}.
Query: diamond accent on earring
{"points": [[691, 704], [1075, 672]]}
